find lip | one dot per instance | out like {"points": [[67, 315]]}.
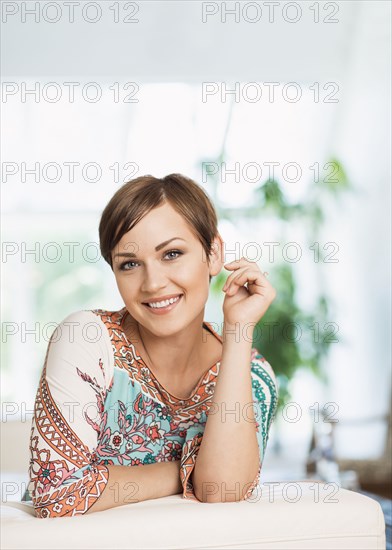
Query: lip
{"points": [[162, 298], [163, 310]]}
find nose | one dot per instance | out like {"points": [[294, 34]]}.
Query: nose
{"points": [[154, 280]]}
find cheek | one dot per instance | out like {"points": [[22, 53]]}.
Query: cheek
{"points": [[192, 274], [197, 281], [124, 286]]}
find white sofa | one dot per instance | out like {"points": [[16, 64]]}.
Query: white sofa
{"points": [[289, 515], [280, 516]]}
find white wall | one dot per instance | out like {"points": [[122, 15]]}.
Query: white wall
{"points": [[171, 43]]}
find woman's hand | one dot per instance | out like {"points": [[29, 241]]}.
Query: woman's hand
{"points": [[246, 304]]}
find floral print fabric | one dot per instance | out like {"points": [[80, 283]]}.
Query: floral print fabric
{"points": [[98, 404]]}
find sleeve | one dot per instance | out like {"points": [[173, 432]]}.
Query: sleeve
{"points": [[265, 392], [190, 449], [65, 476]]}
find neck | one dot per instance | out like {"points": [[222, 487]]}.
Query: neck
{"points": [[176, 353]]}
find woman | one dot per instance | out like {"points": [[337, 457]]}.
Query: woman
{"points": [[150, 400]]}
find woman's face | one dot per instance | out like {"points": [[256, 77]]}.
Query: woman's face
{"points": [[178, 268]]}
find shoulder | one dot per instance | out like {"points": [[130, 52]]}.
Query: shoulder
{"points": [[81, 338], [78, 326]]}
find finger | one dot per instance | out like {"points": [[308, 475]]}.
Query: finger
{"points": [[231, 277], [249, 265], [254, 277], [238, 263], [247, 276]]}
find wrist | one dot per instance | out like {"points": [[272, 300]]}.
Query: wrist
{"points": [[176, 468], [238, 332]]}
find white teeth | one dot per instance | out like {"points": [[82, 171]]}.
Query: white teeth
{"points": [[165, 303]]}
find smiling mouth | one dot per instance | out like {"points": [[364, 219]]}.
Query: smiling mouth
{"points": [[167, 307]]}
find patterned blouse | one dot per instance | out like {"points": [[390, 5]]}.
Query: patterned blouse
{"points": [[98, 404]]}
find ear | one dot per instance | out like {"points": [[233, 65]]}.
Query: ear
{"points": [[216, 256]]}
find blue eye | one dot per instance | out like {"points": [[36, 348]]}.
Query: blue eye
{"points": [[175, 252], [123, 268]]}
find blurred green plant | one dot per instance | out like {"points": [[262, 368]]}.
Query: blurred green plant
{"points": [[302, 338], [276, 334]]}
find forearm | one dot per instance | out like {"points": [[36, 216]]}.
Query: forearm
{"points": [[130, 484], [228, 458]]}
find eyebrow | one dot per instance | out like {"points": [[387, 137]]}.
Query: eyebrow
{"points": [[157, 248]]}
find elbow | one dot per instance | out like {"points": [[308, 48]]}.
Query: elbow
{"points": [[223, 491], [226, 489], [229, 496], [207, 491]]}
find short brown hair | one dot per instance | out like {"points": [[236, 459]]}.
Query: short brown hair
{"points": [[138, 196]]}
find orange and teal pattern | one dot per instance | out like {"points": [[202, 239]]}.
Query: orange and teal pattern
{"points": [[98, 404]]}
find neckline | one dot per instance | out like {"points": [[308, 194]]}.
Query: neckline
{"points": [[124, 313]]}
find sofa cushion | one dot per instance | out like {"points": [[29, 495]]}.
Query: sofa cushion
{"points": [[286, 515]]}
